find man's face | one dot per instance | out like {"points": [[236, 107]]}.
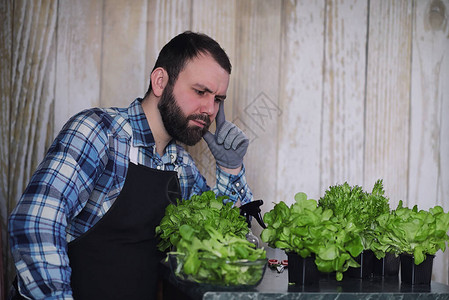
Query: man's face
{"points": [[177, 124], [189, 107]]}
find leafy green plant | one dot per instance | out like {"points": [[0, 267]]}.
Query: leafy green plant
{"points": [[306, 229], [223, 259], [412, 231], [208, 242], [357, 206], [199, 212]]}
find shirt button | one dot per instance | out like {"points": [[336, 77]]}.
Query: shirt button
{"points": [[237, 184], [242, 191], [158, 167], [233, 192]]}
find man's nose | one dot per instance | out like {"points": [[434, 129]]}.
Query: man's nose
{"points": [[208, 105]]}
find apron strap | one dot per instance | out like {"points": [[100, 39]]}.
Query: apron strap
{"points": [[133, 153]]}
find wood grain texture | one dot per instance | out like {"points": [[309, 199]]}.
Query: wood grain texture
{"points": [[78, 64], [32, 87], [388, 97], [211, 18], [258, 40], [6, 10], [300, 97], [123, 53], [429, 98], [342, 133], [6, 203], [429, 132], [166, 18], [32, 91]]}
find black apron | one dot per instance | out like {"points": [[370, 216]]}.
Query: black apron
{"points": [[118, 257]]}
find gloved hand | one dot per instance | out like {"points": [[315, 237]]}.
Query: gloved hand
{"points": [[229, 144]]}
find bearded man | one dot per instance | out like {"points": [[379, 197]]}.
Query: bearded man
{"points": [[85, 225]]}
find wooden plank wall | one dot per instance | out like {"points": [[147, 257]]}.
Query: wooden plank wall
{"points": [[328, 91]]}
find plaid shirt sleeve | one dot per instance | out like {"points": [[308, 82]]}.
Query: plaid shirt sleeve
{"points": [[193, 183], [57, 191], [233, 186]]}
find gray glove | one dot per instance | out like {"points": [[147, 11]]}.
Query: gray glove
{"points": [[229, 144]]}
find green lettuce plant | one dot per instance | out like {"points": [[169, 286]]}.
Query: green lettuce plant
{"points": [[223, 259], [306, 229], [198, 212], [412, 231], [208, 242], [353, 204]]}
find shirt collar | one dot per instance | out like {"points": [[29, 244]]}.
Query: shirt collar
{"points": [[142, 135]]}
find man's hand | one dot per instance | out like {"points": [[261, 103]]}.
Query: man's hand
{"points": [[229, 144]]}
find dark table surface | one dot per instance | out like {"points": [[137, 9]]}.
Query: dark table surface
{"points": [[275, 285]]}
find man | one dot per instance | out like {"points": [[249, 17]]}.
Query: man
{"points": [[84, 227]]}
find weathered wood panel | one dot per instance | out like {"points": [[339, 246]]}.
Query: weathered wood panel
{"points": [[6, 11], [256, 75], [32, 87], [210, 17], [32, 91], [78, 64], [217, 19], [344, 92], [165, 20], [300, 97], [429, 132], [429, 91], [123, 52], [388, 97]]}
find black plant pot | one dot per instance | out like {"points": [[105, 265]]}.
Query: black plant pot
{"points": [[416, 274], [302, 271], [387, 266], [365, 259]]}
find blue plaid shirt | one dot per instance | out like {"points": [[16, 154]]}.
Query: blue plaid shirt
{"points": [[77, 182]]}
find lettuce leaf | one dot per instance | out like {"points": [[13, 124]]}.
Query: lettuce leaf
{"points": [[412, 231], [306, 229], [355, 205]]}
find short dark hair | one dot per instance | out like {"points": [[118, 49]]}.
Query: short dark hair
{"points": [[183, 48]]}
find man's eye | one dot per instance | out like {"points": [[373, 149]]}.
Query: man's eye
{"points": [[199, 92]]}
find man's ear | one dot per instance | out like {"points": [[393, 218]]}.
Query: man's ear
{"points": [[159, 79]]}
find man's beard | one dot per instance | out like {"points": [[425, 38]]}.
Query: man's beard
{"points": [[176, 123]]}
